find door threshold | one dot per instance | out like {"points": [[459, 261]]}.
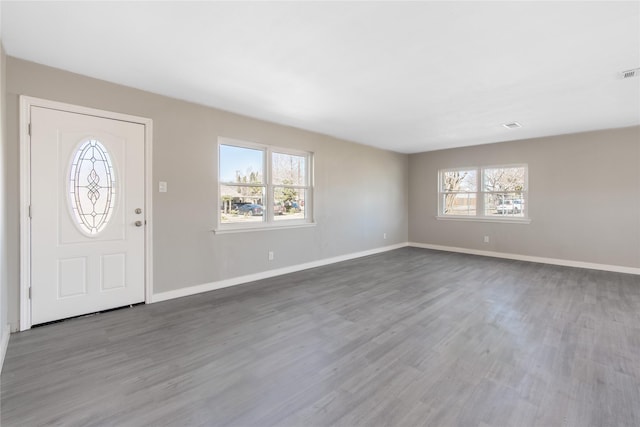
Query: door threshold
{"points": [[95, 313]]}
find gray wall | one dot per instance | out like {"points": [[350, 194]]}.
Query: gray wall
{"points": [[360, 192], [584, 198], [584, 194]]}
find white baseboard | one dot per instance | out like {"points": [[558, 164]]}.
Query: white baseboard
{"points": [[542, 260], [206, 287], [6, 333]]}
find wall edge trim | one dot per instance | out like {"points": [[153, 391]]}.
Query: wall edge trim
{"points": [[225, 283], [6, 334], [530, 258]]}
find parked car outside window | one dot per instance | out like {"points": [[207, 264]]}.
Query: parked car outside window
{"points": [[509, 207], [250, 209]]}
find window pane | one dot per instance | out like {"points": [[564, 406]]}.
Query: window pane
{"points": [[288, 169], [289, 203], [504, 204], [92, 187], [459, 180], [241, 165], [459, 204], [504, 179], [241, 204]]}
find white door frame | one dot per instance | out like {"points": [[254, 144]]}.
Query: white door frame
{"points": [[26, 102]]}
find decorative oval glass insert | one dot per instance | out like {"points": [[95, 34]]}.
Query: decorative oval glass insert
{"points": [[92, 187]]}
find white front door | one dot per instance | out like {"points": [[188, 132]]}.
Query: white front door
{"points": [[87, 218]]}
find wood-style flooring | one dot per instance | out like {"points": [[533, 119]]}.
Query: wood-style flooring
{"points": [[411, 337]]}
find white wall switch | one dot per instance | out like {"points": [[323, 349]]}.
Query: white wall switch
{"points": [[162, 186]]}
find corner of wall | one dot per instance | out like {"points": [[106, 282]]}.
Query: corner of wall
{"points": [[4, 326]]}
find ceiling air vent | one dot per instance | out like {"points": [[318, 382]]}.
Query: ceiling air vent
{"points": [[512, 125], [630, 73]]}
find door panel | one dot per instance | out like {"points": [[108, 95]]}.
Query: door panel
{"points": [[87, 180]]}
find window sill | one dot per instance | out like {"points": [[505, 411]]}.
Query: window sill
{"points": [[485, 219], [270, 227]]}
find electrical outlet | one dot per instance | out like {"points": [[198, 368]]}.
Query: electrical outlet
{"points": [[486, 239], [384, 236], [270, 255]]}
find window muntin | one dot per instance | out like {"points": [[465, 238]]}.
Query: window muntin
{"points": [[502, 192], [263, 186]]}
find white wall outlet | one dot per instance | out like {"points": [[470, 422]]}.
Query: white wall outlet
{"points": [[384, 236], [486, 239], [270, 255], [162, 186]]}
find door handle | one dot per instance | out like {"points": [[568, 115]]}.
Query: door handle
{"points": [[138, 223]]}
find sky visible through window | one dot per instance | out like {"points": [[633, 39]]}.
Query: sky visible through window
{"points": [[241, 159]]}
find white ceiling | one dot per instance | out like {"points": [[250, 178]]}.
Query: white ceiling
{"points": [[404, 76]]}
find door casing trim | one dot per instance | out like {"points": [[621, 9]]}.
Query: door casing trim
{"points": [[26, 102]]}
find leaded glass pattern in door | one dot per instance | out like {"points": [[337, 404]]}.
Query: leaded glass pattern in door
{"points": [[92, 187]]}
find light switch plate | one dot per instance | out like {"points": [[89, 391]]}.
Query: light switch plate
{"points": [[162, 187]]}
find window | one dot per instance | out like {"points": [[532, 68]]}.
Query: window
{"points": [[504, 191], [92, 187], [261, 186], [498, 192], [458, 192]]}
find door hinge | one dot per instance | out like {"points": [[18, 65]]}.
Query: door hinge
{"points": [[29, 213], [29, 129], [29, 292]]}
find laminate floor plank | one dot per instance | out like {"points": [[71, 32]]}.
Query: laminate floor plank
{"points": [[409, 337]]}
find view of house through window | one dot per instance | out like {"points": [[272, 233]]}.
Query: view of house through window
{"points": [[242, 186], [263, 185], [483, 192]]}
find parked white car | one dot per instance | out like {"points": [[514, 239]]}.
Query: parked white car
{"points": [[509, 207]]}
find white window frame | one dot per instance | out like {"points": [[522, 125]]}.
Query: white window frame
{"points": [[480, 196], [268, 222]]}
